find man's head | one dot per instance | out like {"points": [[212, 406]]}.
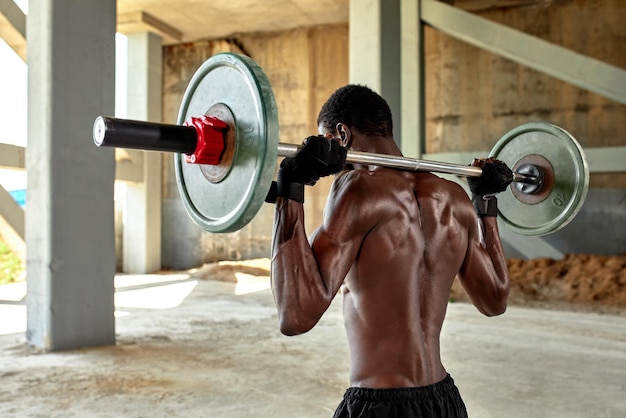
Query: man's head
{"points": [[357, 108]]}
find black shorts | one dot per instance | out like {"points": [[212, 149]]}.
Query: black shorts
{"points": [[438, 400]]}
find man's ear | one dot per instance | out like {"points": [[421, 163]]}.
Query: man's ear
{"points": [[345, 134]]}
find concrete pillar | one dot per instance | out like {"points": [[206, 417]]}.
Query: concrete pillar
{"points": [[387, 54], [413, 91], [375, 51], [142, 212], [69, 215]]}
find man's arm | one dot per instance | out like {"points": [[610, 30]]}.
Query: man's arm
{"points": [[300, 292], [303, 288], [306, 277], [484, 274]]}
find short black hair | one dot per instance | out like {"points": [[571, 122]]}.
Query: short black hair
{"points": [[358, 107]]}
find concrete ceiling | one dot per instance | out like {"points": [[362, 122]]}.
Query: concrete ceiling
{"points": [[179, 21], [190, 20]]}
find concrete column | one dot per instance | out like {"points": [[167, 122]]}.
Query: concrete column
{"points": [[412, 80], [387, 54], [69, 214], [375, 51], [142, 213]]}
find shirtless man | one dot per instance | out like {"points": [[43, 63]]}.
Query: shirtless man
{"points": [[393, 241]]}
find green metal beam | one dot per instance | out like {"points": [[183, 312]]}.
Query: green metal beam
{"points": [[577, 69]]}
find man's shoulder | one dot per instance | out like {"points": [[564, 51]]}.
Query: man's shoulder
{"points": [[440, 193], [423, 183], [362, 188], [442, 185], [352, 180]]}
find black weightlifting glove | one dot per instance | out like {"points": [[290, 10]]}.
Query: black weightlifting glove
{"points": [[319, 157], [495, 178]]}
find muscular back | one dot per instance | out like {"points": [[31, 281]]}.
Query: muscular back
{"points": [[397, 289], [394, 242]]}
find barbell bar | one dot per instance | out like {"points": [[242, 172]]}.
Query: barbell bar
{"points": [[226, 158], [133, 134]]}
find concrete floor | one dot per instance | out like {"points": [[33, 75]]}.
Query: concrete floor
{"points": [[198, 348]]}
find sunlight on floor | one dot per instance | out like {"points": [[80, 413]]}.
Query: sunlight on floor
{"points": [[13, 292], [12, 309], [247, 283], [155, 297], [12, 319], [132, 291], [129, 280]]}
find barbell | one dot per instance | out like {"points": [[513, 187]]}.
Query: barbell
{"points": [[226, 146]]}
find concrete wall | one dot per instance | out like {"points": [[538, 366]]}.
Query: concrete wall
{"points": [[304, 67], [473, 98]]}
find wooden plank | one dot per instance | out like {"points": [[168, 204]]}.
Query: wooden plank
{"points": [[134, 22], [13, 27], [12, 213], [12, 156], [128, 170], [14, 15]]}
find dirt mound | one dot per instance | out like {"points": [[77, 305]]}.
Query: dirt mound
{"points": [[579, 281], [226, 271], [594, 283]]}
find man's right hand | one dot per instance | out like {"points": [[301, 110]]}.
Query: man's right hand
{"points": [[495, 178]]}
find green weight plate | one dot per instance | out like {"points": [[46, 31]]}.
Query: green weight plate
{"points": [[566, 176], [235, 89]]}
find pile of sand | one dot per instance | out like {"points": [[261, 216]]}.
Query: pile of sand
{"points": [[579, 281], [595, 283]]}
